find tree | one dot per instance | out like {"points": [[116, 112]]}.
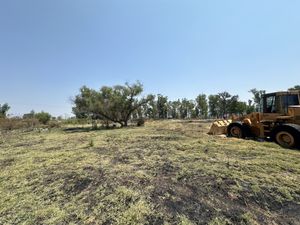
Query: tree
{"points": [[240, 108], [149, 109], [233, 105], [224, 98], [250, 107], [174, 109], [187, 109], [214, 105], [43, 117], [162, 106], [192, 109], [202, 106], [257, 97], [295, 88], [115, 104], [3, 110]]}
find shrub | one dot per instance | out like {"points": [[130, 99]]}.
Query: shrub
{"points": [[140, 122], [91, 143], [43, 117], [3, 110]]}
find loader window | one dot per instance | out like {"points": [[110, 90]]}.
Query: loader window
{"points": [[289, 100], [270, 104]]}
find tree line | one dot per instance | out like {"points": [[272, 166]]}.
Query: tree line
{"points": [[121, 103]]}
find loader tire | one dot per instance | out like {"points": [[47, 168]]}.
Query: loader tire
{"points": [[287, 135], [238, 130]]}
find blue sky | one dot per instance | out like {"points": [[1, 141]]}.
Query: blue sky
{"points": [[49, 49]]}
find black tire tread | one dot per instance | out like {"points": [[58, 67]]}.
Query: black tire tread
{"points": [[294, 129], [246, 132]]}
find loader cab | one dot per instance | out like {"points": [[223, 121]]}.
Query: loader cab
{"points": [[279, 102]]}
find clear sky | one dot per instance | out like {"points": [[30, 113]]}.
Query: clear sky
{"points": [[50, 48]]}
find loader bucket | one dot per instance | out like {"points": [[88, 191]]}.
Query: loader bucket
{"points": [[219, 127]]}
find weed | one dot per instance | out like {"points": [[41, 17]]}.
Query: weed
{"points": [[91, 143]]}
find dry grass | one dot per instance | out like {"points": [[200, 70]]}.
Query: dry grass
{"points": [[168, 172]]}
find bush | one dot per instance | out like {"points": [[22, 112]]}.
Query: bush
{"points": [[43, 117], [3, 110], [140, 122]]}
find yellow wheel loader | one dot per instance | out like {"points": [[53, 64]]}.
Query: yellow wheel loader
{"points": [[278, 120]]}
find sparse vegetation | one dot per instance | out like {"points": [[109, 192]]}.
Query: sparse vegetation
{"points": [[166, 172], [3, 110], [17, 123], [43, 117], [295, 88]]}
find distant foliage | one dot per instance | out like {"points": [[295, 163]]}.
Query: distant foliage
{"points": [[224, 104], [116, 104], [257, 97], [43, 117], [3, 110], [295, 88], [119, 104], [214, 105], [162, 106], [201, 106]]}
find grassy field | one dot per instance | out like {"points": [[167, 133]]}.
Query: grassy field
{"points": [[167, 172]]}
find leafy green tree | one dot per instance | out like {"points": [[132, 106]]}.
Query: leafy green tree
{"points": [[3, 110], [250, 107], [174, 109], [187, 109], [257, 97], [183, 113], [150, 109], [116, 104], [295, 88], [43, 117], [224, 98], [192, 108], [202, 106], [241, 108], [162, 106], [214, 105], [233, 105]]}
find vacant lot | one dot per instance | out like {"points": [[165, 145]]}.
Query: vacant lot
{"points": [[168, 172]]}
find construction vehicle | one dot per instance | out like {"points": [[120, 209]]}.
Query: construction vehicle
{"points": [[277, 120]]}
